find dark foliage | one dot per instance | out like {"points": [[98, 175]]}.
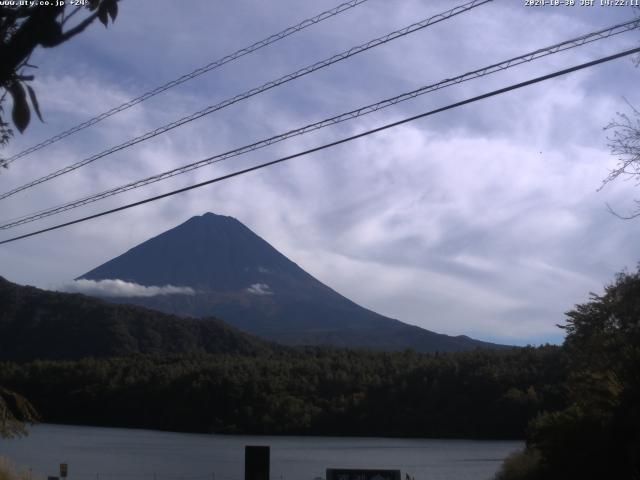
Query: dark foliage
{"points": [[152, 370], [598, 434], [15, 411], [47, 325], [479, 394], [23, 28]]}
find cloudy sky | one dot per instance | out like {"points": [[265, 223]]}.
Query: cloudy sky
{"points": [[484, 220]]}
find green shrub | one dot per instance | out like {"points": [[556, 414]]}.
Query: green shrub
{"points": [[523, 465], [9, 471]]}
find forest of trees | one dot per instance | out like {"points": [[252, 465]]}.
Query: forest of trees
{"points": [[83, 360], [38, 324], [481, 394]]}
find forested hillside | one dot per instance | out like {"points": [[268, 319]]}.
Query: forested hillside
{"points": [[38, 324], [483, 394], [82, 360]]}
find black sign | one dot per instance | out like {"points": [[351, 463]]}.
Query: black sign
{"points": [[256, 463], [351, 474]]}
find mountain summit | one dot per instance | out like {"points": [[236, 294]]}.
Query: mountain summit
{"points": [[210, 253], [239, 277]]}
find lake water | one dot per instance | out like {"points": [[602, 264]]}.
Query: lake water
{"points": [[122, 454]]}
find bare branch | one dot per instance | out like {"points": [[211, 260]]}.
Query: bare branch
{"points": [[631, 216], [624, 143]]}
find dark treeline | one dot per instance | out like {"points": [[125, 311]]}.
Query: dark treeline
{"points": [[82, 360], [480, 394], [60, 326], [597, 434], [120, 365]]}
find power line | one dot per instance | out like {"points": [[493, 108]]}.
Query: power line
{"points": [[512, 62], [332, 144], [189, 76], [255, 91]]}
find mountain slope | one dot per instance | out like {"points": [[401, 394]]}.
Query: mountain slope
{"points": [[48, 325], [239, 277]]}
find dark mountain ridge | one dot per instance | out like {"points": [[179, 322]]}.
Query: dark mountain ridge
{"points": [[242, 279], [38, 324]]}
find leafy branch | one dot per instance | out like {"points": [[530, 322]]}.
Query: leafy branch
{"points": [[15, 411], [22, 30]]}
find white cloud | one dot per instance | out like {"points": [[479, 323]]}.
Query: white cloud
{"points": [[260, 289], [120, 288]]}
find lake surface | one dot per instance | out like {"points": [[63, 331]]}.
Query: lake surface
{"points": [[123, 454]]}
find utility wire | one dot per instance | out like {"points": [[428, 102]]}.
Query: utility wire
{"points": [[189, 76], [250, 93], [527, 57], [332, 144]]}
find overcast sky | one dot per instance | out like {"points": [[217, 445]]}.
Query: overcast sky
{"points": [[484, 220]]}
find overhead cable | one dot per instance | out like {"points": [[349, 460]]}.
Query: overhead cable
{"points": [[512, 62], [255, 91], [189, 76], [332, 144]]}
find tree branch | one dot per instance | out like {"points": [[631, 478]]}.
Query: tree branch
{"points": [[68, 17], [77, 29], [623, 217]]}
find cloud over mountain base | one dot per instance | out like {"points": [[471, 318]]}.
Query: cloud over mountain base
{"points": [[120, 288]]}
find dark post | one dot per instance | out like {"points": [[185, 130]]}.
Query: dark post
{"points": [[256, 463]]}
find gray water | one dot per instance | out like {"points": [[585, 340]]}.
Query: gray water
{"points": [[122, 454]]}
